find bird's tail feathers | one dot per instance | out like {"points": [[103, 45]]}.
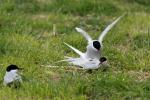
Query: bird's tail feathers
{"points": [[67, 59]]}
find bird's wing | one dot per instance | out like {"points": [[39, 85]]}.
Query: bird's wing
{"points": [[85, 34], [108, 28], [75, 50], [73, 61]]}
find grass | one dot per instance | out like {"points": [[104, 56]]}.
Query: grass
{"points": [[27, 39]]}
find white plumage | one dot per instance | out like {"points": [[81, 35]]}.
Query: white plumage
{"points": [[12, 76], [91, 58]]}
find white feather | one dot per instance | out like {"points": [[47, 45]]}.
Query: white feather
{"points": [[108, 28], [11, 77], [84, 63], [74, 49], [85, 34]]}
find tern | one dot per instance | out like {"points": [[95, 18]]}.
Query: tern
{"points": [[91, 59], [82, 61], [12, 77], [94, 46]]}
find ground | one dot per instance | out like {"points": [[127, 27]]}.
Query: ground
{"points": [[32, 33]]}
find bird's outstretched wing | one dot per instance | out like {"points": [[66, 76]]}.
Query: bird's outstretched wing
{"points": [[75, 50], [108, 28], [85, 34]]}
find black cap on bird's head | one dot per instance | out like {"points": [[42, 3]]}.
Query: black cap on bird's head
{"points": [[96, 45], [12, 67], [103, 59]]}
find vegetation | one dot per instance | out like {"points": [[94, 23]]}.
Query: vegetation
{"points": [[32, 33]]}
